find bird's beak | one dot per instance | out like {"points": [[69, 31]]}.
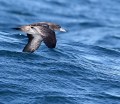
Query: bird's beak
{"points": [[62, 30]]}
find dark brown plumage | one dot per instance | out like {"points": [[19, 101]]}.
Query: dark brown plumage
{"points": [[38, 32]]}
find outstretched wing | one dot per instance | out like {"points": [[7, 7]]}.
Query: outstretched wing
{"points": [[50, 41], [33, 43], [48, 36]]}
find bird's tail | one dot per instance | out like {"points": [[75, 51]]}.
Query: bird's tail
{"points": [[16, 28]]}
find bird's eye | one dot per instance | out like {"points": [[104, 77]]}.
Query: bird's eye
{"points": [[58, 26]]}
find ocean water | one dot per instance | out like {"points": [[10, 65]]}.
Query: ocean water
{"points": [[84, 68]]}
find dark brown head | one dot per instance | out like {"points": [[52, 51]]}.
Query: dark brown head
{"points": [[55, 27]]}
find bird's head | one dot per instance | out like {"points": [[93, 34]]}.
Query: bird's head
{"points": [[55, 27]]}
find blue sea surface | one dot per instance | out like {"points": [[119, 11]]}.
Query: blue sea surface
{"points": [[84, 68]]}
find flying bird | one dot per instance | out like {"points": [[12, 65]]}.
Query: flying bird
{"points": [[38, 32]]}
